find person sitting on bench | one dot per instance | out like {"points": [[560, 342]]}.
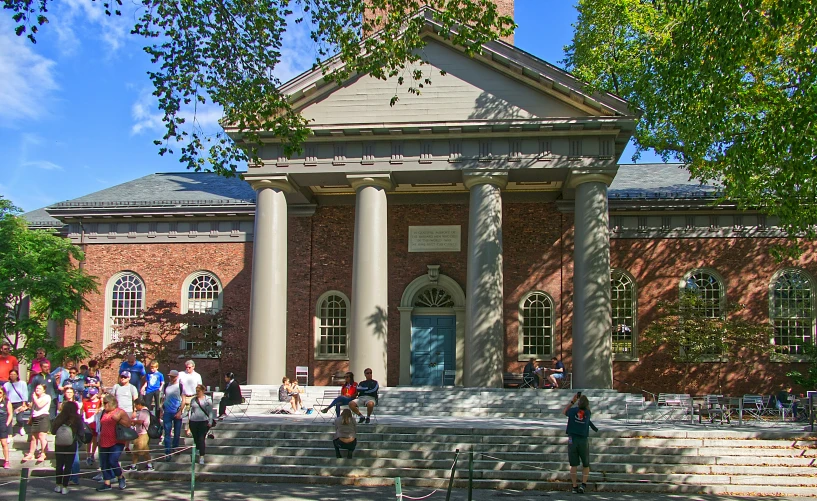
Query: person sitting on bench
{"points": [[366, 396], [529, 374], [232, 395]]}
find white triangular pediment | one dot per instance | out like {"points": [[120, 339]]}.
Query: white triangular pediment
{"points": [[470, 90]]}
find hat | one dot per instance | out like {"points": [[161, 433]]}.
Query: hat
{"points": [[174, 372], [124, 373]]}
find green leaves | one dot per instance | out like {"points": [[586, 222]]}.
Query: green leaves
{"points": [[727, 86], [36, 268], [225, 53]]}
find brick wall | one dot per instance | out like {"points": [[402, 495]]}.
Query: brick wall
{"points": [[538, 255]]}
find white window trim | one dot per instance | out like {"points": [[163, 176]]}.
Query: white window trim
{"points": [[316, 323], [520, 328], [185, 306], [722, 300], [781, 357], [633, 357], [106, 340]]}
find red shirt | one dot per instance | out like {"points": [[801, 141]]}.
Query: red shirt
{"points": [[349, 390], [89, 408], [7, 363], [107, 436]]}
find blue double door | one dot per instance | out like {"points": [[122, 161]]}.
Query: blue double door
{"points": [[433, 349]]}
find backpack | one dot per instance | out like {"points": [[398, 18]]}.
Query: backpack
{"points": [[86, 436], [64, 436], [155, 428]]}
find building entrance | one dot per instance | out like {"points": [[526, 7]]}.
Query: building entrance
{"points": [[433, 350]]}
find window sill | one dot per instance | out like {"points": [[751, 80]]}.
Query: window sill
{"points": [[625, 358], [542, 357], [331, 357]]}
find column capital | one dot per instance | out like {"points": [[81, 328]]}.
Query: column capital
{"points": [[278, 182], [474, 178], [580, 176], [377, 179]]}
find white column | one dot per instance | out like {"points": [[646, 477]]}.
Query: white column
{"points": [[266, 361], [592, 349], [370, 279], [484, 303]]}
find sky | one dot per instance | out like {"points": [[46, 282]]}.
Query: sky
{"points": [[76, 110]]}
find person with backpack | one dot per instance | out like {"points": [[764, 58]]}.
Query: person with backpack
{"points": [[201, 420], [172, 412], [66, 428], [141, 422]]}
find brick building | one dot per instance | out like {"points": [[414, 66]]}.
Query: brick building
{"points": [[444, 240]]}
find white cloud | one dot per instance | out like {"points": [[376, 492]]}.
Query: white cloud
{"points": [[298, 52], [148, 118], [28, 78], [42, 164], [71, 16]]}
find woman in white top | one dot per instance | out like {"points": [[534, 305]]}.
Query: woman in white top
{"points": [[40, 423], [17, 393]]}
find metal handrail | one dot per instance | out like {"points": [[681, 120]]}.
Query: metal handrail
{"points": [[653, 395]]}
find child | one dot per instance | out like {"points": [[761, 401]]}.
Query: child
{"points": [[141, 421], [90, 406], [152, 387]]}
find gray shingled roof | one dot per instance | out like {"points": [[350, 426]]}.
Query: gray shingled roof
{"points": [[171, 188], [41, 219], [650, 181]]}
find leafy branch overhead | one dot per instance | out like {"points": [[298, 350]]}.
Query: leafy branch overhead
{"points": [[727, 86], [225, 52]]}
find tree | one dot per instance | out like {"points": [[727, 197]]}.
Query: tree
{"points": [[39, 281], [157, 334], [690, 335], [727, 86], [226, 51], [809, 379]]}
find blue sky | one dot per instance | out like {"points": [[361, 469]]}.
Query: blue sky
{"points": [[76, 111]]}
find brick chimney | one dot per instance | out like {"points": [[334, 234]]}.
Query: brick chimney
{"points": [[505, 8]]}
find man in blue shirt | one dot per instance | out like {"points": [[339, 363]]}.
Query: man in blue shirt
{"points": [[152, 389], [578, 429], [136, 369], [557, 372]]}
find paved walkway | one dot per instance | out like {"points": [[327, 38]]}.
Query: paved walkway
{"points": [[171, 491]]}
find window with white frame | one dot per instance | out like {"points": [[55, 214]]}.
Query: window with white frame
{"points": [[791, 310], [708, 287], [623, 300], [201, 293], [124, 301], [332, 320], [536, 326]]}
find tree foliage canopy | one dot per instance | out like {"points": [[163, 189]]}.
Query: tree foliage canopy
{"points": [[39, 281], [727, 86], [226, 52]]}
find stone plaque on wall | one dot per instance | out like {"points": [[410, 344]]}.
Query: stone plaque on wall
{"points": [[434, 238]]}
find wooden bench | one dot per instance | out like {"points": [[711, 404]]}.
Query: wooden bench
{"points": [[512, 379]]}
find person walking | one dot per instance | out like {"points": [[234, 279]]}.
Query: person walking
{"points": [[125, 392], [345, 434], [40, 423], [135, 369], [140, 450], [189, 380], [8, 362], [17, 393], [110, 448], [578, 448], [172, 412], [201, 420], [90, 407], [6, 417], [51, 387], [36, 364], [66, 428], [152, 389]]}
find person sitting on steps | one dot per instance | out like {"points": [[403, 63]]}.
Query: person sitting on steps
{"points": [[366, 395], [347, 393], [345, 434]]}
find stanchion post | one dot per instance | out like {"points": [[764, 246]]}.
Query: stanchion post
{"points": [[23, 484], [192, 472], [398, 488], [470, 475], [451, 478], [740, 412]]}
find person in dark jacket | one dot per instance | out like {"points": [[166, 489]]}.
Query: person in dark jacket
{"points": [[578, 429], [69, 415], [232, 395]]}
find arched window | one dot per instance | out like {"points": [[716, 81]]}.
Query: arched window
{"points": [[708, 287], [201, 293], [124, 300], [791, 310], [623, 300], [535, 326], [332, 319]]}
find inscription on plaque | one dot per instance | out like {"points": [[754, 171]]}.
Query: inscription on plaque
{"points": [[434, 238]]}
